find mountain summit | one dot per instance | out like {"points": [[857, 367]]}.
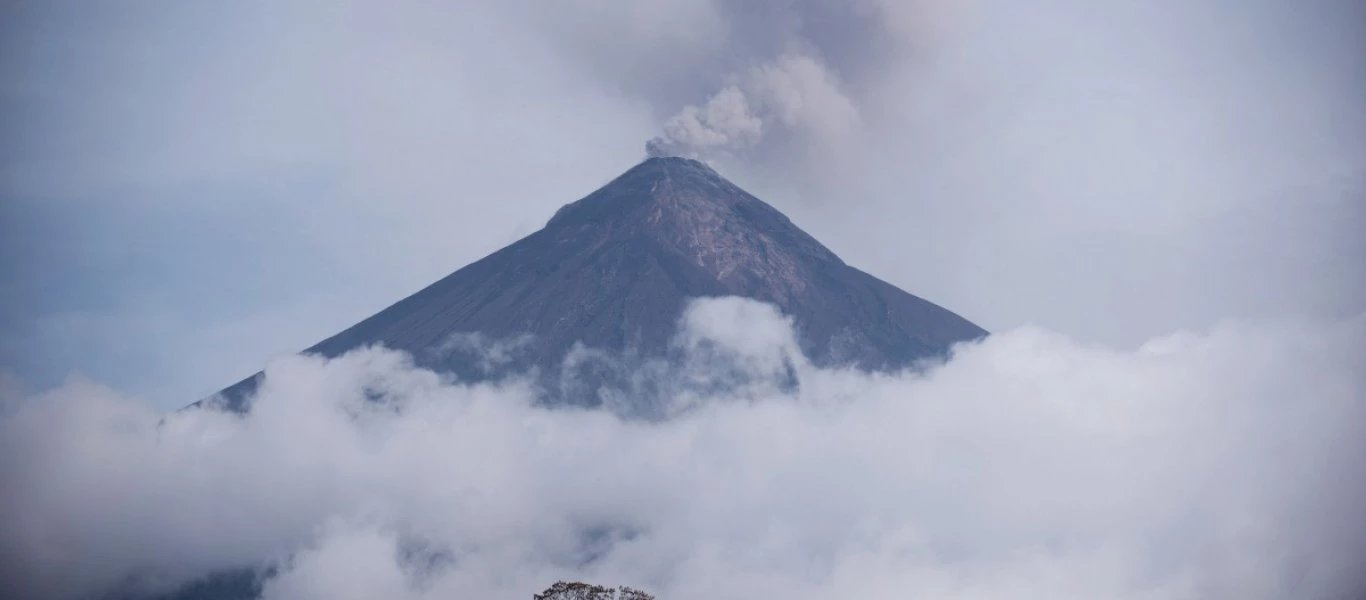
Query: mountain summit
{"points": [[614, 270]]}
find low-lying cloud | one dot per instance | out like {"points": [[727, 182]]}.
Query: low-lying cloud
{"points": [[1223, 464]]}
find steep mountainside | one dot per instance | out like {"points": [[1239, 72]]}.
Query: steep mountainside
{"points": [[614, 270]]}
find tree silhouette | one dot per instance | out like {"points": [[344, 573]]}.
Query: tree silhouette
{"points": [[577, 590]]}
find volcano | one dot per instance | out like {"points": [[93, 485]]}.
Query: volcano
{"points": [[614, 271]]}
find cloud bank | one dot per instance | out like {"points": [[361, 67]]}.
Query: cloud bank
{"points": [[1201, 465]]}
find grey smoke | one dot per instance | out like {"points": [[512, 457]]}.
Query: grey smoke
{"points": [[795, 73], [725, 122], [795, 93]]}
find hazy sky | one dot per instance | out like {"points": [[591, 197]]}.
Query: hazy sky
{"points": [[1155, 207], [190, 189]]}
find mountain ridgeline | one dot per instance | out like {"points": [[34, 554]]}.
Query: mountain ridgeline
{"points": [[614, 271]]}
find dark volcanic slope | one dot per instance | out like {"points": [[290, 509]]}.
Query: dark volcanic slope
{"points": [[614, 270]]}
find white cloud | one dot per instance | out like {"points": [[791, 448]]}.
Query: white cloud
{"points": [[1203, 465], [752, 332]]}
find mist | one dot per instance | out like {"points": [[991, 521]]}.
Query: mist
{"points": [[1223, 463]]}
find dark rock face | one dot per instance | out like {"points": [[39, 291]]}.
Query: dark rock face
{"points": [[614, 270]]}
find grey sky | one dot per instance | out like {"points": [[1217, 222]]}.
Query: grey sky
{"points": [[192, 191], [189, 190]]}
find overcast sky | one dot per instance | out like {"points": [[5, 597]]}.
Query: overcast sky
{"points": [[1156, 207], [191, 189]]}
